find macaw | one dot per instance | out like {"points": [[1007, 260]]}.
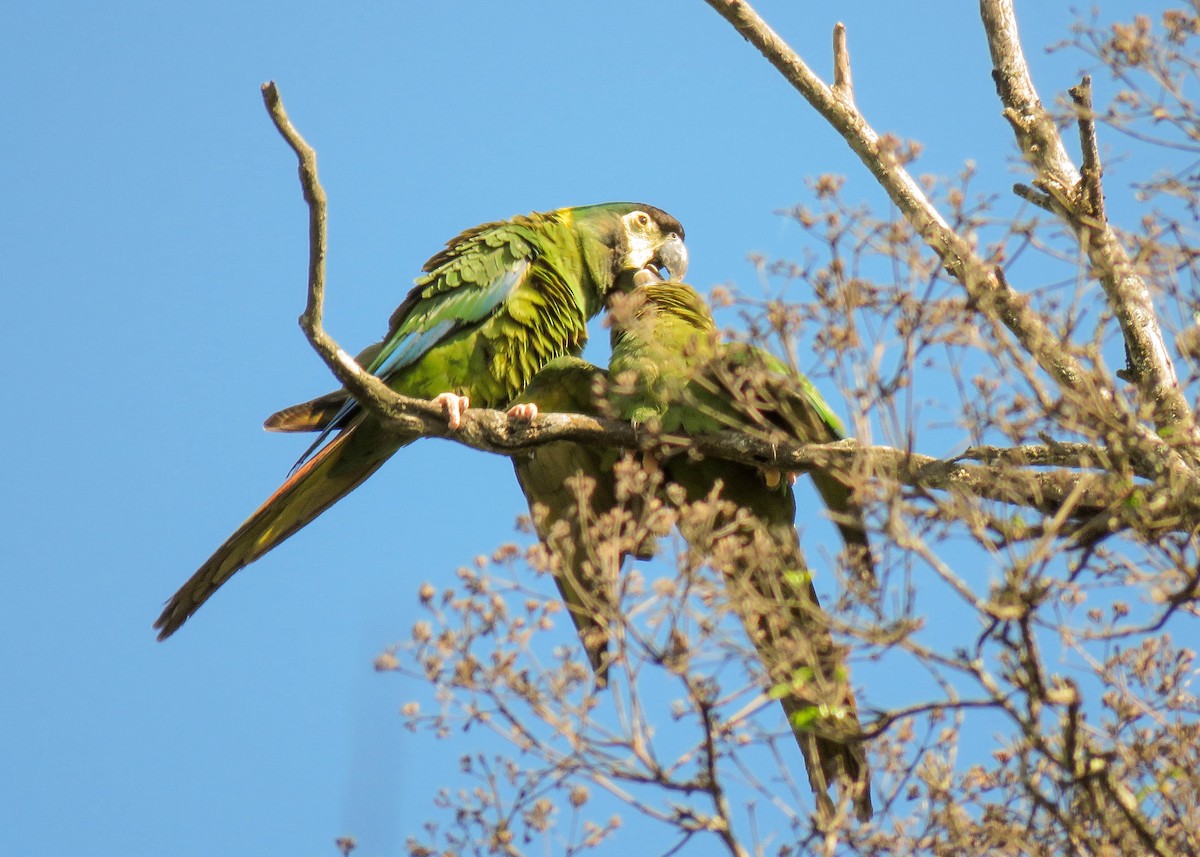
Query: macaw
{"points": [[670, 370], [498, 303]]}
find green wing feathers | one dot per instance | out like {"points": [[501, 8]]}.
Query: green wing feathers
{"points": [[775, 403]]}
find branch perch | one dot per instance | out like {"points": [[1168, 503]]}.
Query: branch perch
{"points": [[1001, 478]]}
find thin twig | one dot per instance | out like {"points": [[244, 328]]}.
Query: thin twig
{"points": [[1092, 172], [1039, 198], [843, 81], [1080, 199]]}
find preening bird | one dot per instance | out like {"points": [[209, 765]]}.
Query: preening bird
{"points": [[670, 369], [492, 308]]}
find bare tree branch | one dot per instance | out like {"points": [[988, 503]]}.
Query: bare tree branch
{"points": [[1080, 203], [988, 290], [365, 387], [993, 297], [843, 80]]}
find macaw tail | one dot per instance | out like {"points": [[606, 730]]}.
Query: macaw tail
{"points": [[753, 541], [313, 415], [831, 758], [807, 671], [805, 666], [335, 471]]}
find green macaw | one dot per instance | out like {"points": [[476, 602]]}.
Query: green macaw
{"points": [[669, 369], [498, 303]]}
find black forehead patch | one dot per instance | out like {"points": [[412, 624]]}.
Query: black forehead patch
{"points": [[665, 222]]}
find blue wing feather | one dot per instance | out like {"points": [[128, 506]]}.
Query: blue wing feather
{"points": [[450, 311], [408, 349]]}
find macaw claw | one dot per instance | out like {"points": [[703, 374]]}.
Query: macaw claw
{"points": [[454, 405], [524, 412], [774, 477]]}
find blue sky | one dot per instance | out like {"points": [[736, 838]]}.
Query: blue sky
{"points": [[155, 251]]}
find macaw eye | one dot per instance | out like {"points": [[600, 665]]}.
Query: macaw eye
{"points": [[643, 219]]}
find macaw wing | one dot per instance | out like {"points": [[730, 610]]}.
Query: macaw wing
{"points": [[804, 411], [461, 294], [750, 390], [440, 311]]}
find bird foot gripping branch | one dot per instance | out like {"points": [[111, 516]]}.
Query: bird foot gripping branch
{"points": [[524, 412], [454, 405]]}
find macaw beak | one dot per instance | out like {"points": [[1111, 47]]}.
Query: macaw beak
{"points": [[673, 256]]}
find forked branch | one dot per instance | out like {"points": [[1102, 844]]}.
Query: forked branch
{"points": [[1078, 198], [988, 291]]}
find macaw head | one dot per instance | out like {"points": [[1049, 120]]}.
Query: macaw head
{"points": [[638, 237], [654, 241]]}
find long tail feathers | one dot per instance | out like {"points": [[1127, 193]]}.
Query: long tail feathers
{"points": [[331, 474], [806, 667], [830, 761]]}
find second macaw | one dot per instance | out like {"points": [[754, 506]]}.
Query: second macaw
{"points": [[670, 370], [498, 303]]}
